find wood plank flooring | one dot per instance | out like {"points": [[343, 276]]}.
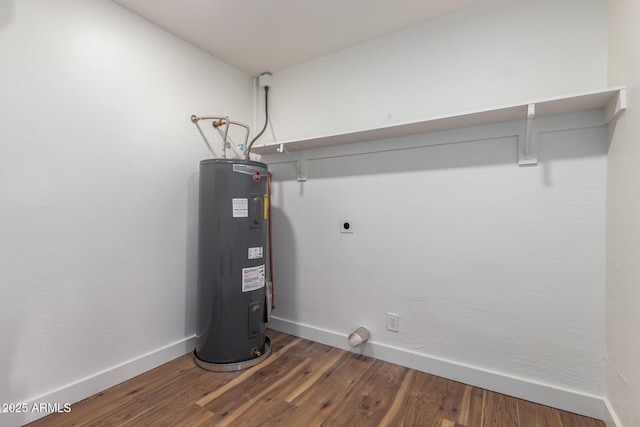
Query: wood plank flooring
{"points": [[303, 383]]}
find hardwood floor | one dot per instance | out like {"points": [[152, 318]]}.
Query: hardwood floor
{"points": [[303, 383]]}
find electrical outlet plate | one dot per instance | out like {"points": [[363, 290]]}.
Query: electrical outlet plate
{"points": [[393, 322], [265, 79]]}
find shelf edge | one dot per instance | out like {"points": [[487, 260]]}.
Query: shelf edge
{"points": [[612, 100]]}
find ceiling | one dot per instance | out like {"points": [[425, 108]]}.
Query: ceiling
{"points": [[269, 35]]}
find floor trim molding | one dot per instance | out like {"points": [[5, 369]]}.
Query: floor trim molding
{"points": [[545, 394], [569, 400], [100, 381], [611, 417]]}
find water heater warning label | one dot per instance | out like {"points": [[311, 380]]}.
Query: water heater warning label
{"points": [[255, 253], [252, 278], [240, 208]]}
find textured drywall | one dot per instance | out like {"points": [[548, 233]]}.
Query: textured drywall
{"points": [[497, 53], [98, 188], [623, 219], [488, 264]]}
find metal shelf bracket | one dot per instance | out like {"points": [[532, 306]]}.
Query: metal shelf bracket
{"points": [[299, 165]]}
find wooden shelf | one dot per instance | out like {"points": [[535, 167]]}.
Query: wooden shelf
{"points": [[612, 101]]}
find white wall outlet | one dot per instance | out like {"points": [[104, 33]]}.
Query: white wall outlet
{"points": [[346, 225], [393, 322]]}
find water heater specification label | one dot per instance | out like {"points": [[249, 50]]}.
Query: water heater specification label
{"points": [[252, 278], [255, 253], [240, 208]]}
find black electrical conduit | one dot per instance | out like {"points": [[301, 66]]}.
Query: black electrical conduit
{"points": [[266, 121]]}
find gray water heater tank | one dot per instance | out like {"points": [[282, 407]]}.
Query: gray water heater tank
{"points": [[232, 231]]}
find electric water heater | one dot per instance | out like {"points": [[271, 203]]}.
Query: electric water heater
{"points": [[232, 231]]}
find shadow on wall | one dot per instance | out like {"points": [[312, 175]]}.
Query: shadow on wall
{"points": [[191, 271], [285, 272], [452, 155], [444, 150], [6, 13]]}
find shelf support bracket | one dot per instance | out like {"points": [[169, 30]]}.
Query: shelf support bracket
{"points": [[615, 107], [528, 149], [297, 163]]}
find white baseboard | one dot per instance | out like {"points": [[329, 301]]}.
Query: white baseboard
{"points": [[610, 417], [522, 388], [569, 400], [99, 381]]}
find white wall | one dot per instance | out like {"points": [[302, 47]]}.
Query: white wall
{"points": [[488, 264], [98, 190], [499, 53], [623, 219]]}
